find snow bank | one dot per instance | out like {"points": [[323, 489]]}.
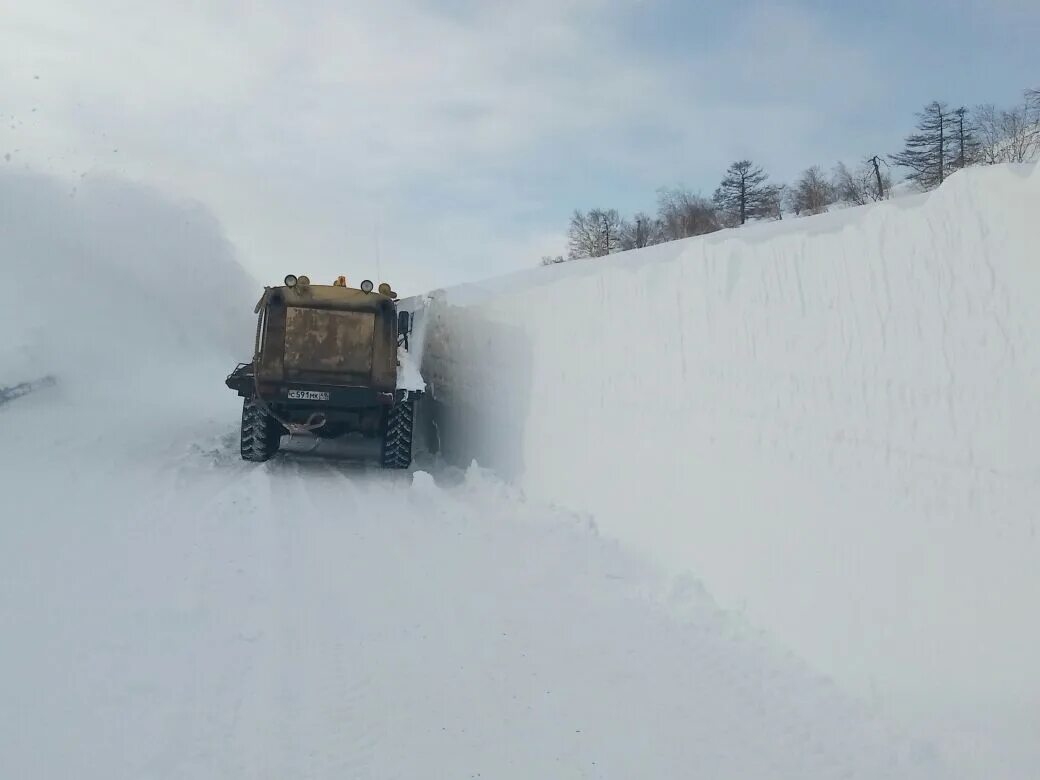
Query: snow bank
{"points": [[834, 422], [108, 278]]}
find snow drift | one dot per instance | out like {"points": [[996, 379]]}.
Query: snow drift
{"points": [[835, 422]]}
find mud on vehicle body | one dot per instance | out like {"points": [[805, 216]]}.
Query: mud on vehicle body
{"points": [[325, 364]]}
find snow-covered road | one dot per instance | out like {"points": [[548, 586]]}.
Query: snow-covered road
{"points": [[168, 611]]}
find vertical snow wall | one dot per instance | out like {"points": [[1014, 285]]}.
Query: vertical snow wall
{"points": [[833, 422]]}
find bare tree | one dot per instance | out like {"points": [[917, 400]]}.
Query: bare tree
{"points": [[552, 259], [865, 184], [743, 191], [812, 192], [882, 183], [1033, 103], [991, 133], [965, 139], [928, 153], [775, 198], [1032, 109], [593, 234], [849, 187], [1009, 135], [681, 214], [581, 237], [608, 224], [640, 231], [1032, 97]]}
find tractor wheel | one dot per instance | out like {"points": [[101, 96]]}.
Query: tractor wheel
{"points": [[397, 436], [261, 434]]}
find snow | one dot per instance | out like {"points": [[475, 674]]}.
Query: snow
{"points": [[408, 374], [123, 294], [169, 611], [831, 421], [828, 425], [313, 619]]}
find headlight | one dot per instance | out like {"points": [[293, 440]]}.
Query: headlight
{"points": [[290, 280], [366, 286]]}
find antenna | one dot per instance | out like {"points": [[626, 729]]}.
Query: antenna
{"points": [[379, 270]]}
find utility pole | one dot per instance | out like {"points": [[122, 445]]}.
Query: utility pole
{"points": [[379, 270]]}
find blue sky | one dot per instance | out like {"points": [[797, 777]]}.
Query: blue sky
{"points": [[458, 136]]}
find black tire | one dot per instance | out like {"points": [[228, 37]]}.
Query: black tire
{"points": [[397, 435], [261, 433]]}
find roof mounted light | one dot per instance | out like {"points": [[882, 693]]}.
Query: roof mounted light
{"points": [[304, 281], [384, 289], [290, 280], [367, 286]]}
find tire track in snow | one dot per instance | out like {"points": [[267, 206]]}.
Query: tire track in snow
{"points": [[321, 697], [243, 531], [298, 704]]}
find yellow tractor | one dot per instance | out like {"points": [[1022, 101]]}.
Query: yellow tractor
{"points": [[325, 363]]}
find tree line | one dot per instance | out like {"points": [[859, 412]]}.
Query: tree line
{"points": [[944, 140]]}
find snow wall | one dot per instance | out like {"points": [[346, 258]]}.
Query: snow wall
{"points": [[832, 422]]}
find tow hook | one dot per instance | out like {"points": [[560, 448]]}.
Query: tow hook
{"points": [[315, 421]]}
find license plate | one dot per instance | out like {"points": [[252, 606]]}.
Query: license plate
{"points": [[308, 395]]}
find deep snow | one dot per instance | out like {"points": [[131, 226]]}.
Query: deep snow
{"points": [[833, 421], [168, 611]]}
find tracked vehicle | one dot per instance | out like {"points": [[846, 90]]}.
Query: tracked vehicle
{"points": [[325, 364]]}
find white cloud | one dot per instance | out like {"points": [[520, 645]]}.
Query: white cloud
{"points": [[305, 125]]}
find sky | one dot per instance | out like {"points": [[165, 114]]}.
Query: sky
{"points": [[430, 142]]}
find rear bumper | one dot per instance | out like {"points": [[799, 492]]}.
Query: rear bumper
{"points": [[339, 397]]}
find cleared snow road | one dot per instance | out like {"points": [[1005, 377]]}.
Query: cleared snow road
{"points": [[171, 612]]}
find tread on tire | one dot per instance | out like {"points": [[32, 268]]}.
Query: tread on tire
{"points": [[261, 434], [397, 435]]}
